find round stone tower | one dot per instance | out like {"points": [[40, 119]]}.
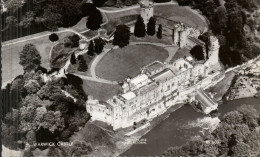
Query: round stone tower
{"points": [[146, 10], [213, 62], [180, 35], [213, 50]]}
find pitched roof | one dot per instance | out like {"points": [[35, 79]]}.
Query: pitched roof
{"points": [[163, 75], [153, 67], [147, 88]]}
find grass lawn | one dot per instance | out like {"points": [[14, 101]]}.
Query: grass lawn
{"points": [[172, 12], [100, 91], [222, 87], [178, 13], [181, 53], [113, 22], [152, 39], [90, 34], [10, 56], [118, 64], [135, 11]]}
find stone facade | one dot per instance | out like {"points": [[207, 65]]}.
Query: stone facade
{"points": [[158, 87]]}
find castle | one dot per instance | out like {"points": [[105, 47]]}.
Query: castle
{"points": [[160, 85]]}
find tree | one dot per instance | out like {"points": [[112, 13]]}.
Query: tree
{"points": [[159, 32], [151, 26], [91, 48], [27, 19], [82, 65], [54, 37], [250, 115], [81, 148], [241, 149], [53, 152], [28, 153], [99, 45], [99, 3], [30, 58], [75, 40], [32, 86], [52, 18], [139, 30], [234, 117], [119, 4], [88, 9], [94, 20], [10, 20], [197, 52], [121, 36], [73, 59]]}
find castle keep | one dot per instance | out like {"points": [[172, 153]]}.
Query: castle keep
{"points": [[146, 10]]}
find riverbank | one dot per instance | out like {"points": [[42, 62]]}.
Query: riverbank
{"points": [[181, 127], [136, 138]]}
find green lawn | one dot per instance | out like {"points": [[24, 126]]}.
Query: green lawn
{"points": [[118, 64], [178, 13], [152, 39], [181, 53], [10, 56], [100, 91]]}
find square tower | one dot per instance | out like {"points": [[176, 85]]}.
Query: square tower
{"points": [[146, 10]]}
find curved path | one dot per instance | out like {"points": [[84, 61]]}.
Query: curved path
{"points": [[117, 10], [104, 11]]}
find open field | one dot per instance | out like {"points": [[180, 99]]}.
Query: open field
{"points": [[10, 56], [100, 91], [118, 64], [152, 39], [178, 13]]}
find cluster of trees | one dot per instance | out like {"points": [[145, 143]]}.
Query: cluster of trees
{"points": [[140, 30], [30, 58], [72, 41], [236, 135], [96, 46], [62, 51], [227, 22], [41, 111], [53, 13], [82, 64], [122, 32], [121, 35]]}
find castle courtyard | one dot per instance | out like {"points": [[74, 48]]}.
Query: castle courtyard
{"points": [[119, 64]]}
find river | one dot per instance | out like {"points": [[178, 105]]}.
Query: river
{"points": [[180, 127]]}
